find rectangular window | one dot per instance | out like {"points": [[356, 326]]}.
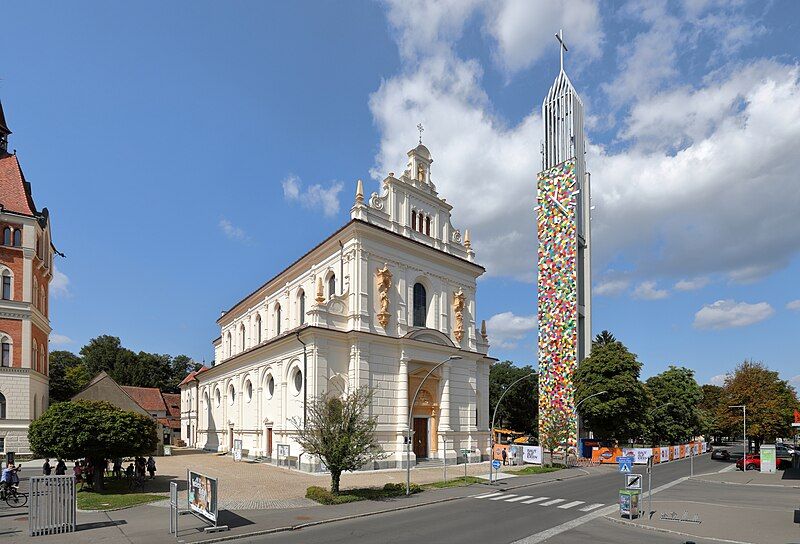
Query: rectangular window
{"points": [[6, 287], [5, 358], [2, 444]]}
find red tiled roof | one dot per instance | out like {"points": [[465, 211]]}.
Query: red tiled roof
{"points": [[191, 376], [148, 398], [173, 402], [14, 195], [170, 422]]}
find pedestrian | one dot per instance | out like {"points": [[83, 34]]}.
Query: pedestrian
{"points": [[61, 467], [118, 468], [151, 467], [505, 456], [129, 471], [46, 468]]}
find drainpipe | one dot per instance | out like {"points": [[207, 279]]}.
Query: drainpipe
{"points": [[305, 378]]}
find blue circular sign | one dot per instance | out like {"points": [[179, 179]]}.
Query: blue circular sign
{"points": [[496, 464]]}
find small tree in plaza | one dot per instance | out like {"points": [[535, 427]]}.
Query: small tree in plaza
{"points": [[340, 431], [93, 430], [554, 435]]}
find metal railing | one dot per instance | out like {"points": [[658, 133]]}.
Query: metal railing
{"points": [[52, 505]]}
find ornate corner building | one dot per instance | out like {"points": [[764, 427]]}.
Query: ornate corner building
{"points": [[26, 269]]}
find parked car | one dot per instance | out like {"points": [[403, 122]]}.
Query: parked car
{"points": [[721, 454], [753, 462], [784, 451]]}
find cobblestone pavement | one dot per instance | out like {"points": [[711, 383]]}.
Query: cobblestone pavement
{"points": [[259, 486]]}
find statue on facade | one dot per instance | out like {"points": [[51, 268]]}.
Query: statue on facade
{"points": [[458, 309], [384, 277]]}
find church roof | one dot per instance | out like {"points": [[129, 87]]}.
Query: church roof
{"points": [[422, 151], [192, 375], [149, 398], [15, 192], [3, 126]]}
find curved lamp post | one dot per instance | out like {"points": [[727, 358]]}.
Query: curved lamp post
{"points": [[577, 417], [494, 414], [410, 411]]}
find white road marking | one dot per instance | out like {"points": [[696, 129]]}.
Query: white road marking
{"points": [[521, 497], [570, 504], [551, 503], [591, 507], [501, 497], [538, 499], [486, 495]]}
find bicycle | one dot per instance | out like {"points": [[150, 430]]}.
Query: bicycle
{"points": [[13, 497]]}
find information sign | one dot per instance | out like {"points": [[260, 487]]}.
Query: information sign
{"points": [[625, 464], [203, 495], [496, 464], [633, 481]]}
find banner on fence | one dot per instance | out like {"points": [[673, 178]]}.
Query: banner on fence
{"points": [[203, 495], [532, 454], [664, 454]]}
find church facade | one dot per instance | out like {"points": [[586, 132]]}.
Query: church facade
{"points": [[378, 304]]}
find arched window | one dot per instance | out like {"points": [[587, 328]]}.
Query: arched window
{"points": [[302, 307], [297, 380], [35, 356], [228, 343], [420, 305], [17, 237], [428, 225], [277, 319], [413, 219], [5, 353], [332, 286], [270, 386], [242, 337], [7, 295], [35, 292], [258, 328], [2, 406], [7, 236], [231, 395]]}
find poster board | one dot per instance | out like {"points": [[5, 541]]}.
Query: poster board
{"points": [[237, 450], [768, 458], [202, 495], [664, 455], [532, 454]]}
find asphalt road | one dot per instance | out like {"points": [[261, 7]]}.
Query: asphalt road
{"points": [[499, 521]]}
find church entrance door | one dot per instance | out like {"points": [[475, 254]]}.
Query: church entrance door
{"points": [[421, 437], [269, 442]]}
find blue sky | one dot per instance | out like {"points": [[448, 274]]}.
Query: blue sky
{"points": [[188, 152]]}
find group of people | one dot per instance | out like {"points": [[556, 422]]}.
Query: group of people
{"points": [[61, 467], [84, 470]]}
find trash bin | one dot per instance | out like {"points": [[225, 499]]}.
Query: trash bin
{"points": [[629, 503]]}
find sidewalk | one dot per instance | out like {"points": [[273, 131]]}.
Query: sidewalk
{"points": [[149, 524], [785, 478]]}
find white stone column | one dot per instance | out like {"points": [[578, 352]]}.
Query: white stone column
{"points": [[402, 402], [444, 405]]}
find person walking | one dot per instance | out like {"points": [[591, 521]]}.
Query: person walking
{"points": [[504, 454], [118, 468], [61, 467], [151, 467], [46, 468]]}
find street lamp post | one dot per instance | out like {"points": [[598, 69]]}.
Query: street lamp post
{"points": [[577, 417], [410, 411], [744, 432], [494, 414]]}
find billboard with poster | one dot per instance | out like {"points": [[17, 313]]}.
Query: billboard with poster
{"points": [[664, 455], [532, 454], [203, 495]]}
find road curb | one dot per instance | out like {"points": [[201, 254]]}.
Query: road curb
{"points": [[670, 531], [738, 483], [363, 514]]}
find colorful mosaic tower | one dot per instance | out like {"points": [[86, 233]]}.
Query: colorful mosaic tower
{"points": [[563, 270]]}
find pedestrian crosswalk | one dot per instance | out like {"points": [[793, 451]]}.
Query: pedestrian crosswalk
{"points": [[563, 504]]}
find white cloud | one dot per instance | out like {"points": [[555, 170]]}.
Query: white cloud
{"points": [[610, 287], [725, 314], [59, 339], [793, 305], [231, 231], [647, 290], [719, 379], [795, 382], [506, 329], [314, 196], [59, 285], [692, 284]]}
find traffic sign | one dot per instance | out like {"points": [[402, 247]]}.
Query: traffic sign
{"points": [[650, 464], [633, 481], [625, 464], [465, 452], [496, 464]]}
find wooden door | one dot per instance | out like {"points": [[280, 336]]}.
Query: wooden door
{"points": [[421, 437], [269, 442]]}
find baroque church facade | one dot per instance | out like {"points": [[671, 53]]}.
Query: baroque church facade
{"points": [[26, 269], [378, 304]]}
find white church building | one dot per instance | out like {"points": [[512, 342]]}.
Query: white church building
{"points": [[377, 304]]}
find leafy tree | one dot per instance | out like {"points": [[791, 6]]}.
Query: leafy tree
{"points": [[101, 354], [340, 432], [67, 375], [770, 402], [555, 433], [604, 338], [675, 414], [520, 407], [620, 413], [710, 407], [93, 430]]}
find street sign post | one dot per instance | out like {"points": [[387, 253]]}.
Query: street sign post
{"points": [[625, 464], [650, 487], [465, 452], [633, 481]]}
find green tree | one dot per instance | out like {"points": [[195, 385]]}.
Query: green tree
{"points": [[67, 375], [604, 338], [770, 402], [93, 430], [520, 407], [104, 354], [710, 407], [180, 366], [620, 413], [675, 415], [555, 435], [340, 432]]}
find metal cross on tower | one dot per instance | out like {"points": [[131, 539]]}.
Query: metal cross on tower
{"points": [[421, 129], [563, 46]]}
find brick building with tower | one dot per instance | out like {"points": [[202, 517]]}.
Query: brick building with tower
{"points": [[26, 269]]}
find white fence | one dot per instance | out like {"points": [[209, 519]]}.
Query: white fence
{"points": [[52, 505]]}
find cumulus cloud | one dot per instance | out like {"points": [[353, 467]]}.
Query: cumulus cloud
{"points": [[719, 379], [795, 382], [726, 314], [647, 290], [793, 305], [59, 339], [232, 231], [692, 284], [314, 196], [505, 330], [59, 285], [611, 287]]}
